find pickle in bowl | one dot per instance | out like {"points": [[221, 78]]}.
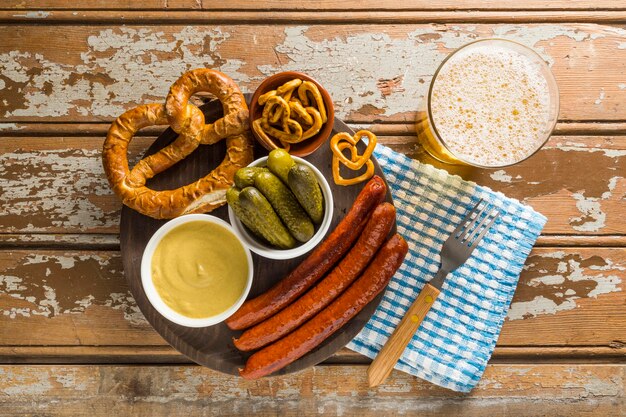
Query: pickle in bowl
{"points": [[283, 194]]}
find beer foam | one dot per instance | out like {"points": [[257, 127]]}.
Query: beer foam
{"points": [[491, 105]]}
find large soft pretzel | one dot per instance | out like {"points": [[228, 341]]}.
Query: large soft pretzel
{"points": [[206, 193], [235, 120]]}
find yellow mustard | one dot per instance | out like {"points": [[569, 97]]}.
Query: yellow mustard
{"points": [[199, 269]]}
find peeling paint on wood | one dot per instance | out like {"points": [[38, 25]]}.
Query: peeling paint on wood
{"points": [[552, 183], [145, 61], [53, 284], [501, 176], [322, 5], [9, 126], [52, 177], [546, 390], [84, 295], [109, 70], [57, 185], [40, 14], [554, 281], [601, 97]]}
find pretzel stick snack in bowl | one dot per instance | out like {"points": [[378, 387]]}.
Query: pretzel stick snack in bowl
{"points": [[187, 120], [291, 110]]}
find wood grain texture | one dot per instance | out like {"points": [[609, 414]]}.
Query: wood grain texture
{"points": [[136, 354], [97, 241], [529, 390], [319, 5], [66, 73], [566, 297], [27, 129], [309, 16], [373, 72], [57, 185]]}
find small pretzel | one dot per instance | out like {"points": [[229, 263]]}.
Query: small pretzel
{"points": [[353, 140], [297, 108], [206, 193], [276, 110], [291, 130], [263, 97], [256, 126], [339, 180], [286, 146], [309, 87], [342, 141], [287, 89], [235, 120], [315, 126], [293, 134]]}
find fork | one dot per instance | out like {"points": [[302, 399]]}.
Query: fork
{"points": [[455, 251]]}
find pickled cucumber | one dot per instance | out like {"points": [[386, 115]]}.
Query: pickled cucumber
{"points": [[280, 162], [304, 185], [244, 177], [286, 205], [232, 198], [256, 209]]}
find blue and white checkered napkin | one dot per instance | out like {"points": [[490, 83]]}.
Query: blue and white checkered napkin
{"points": [[458, 335]]}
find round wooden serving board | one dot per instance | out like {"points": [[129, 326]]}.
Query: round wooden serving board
{"points": [[212, 346]]}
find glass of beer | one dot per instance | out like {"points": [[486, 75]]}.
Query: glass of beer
{"points": [[492, 103]]}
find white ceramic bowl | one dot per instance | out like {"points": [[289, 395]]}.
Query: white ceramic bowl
{"points": [[271, 252], [153, 295]]}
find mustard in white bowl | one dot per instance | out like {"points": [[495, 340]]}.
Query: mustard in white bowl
{"points": [[195, 271]]}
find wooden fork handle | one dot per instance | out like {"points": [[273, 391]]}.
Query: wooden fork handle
{"points": [[389, 355]]}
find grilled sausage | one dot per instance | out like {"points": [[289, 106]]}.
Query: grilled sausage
{"points": [[316, 264], [350, 267], [311, 334]]}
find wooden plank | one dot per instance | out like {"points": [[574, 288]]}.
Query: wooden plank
{"points": [[93, 354], [552, 183], [530, 390], [566, 297], [95, 241], [90, 241], [616, 128], [616, 353], [107, 69], [79, 298], [318, 5], [56, 185], [308, 16]]}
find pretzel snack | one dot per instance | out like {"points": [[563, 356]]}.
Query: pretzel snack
{"points": [[292, 113], [342, 141], [291, 130], [206, 193], [339, 180]]}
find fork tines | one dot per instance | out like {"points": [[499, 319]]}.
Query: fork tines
{"points": [[476, 223]]}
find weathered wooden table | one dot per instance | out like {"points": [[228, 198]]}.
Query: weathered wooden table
{"points": [[72, 340]]}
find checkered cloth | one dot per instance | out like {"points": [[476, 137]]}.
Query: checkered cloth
{"points": [[456, 339]]}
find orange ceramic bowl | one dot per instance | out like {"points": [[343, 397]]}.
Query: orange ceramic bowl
{"points": [[305, 147]]}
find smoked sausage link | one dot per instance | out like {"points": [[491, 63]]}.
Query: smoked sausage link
{"points": [[378, 227], [312, 333], [316, 264]]}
